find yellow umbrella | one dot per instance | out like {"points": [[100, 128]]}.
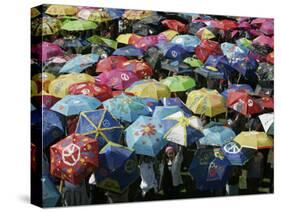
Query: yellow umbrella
{"points": [[61, 10], [124, 38], [254, 140], [44, 79], [99, 16], [34, 12], [205, 34], [34, 89], [206, 102], [149, 88], [136, 14], [169, 34], [59, 87]]}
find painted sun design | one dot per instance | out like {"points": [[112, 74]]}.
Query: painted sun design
{"points": [[148, 130]]}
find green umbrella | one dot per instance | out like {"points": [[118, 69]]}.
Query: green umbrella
{"points": [[179, 83], [79, 25], [193, 62], [103, 41]]}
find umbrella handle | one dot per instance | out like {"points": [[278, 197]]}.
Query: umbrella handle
{"points": [[239, 78], [61, 186]]}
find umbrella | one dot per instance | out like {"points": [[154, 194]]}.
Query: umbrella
{"points": [[74, 104], [237, 155], [267, 121], [117, 78], [109, 63], [59, 87], [61, 10], [34, 12], [210, 169], [43, 80], [210, 72], [136, 14], [79, 63], [193, 62], [50, 194], [264, 40], [175, 25], [103, 41], [205, 34], [169, 34], [128, 51], [54, 64], [270, 58], [179, 83], [149, 88], [182, 130], [187, 41], [217, 136], [220, 62], [237, 87], [84, 13], [243, 64], [33, 88], [161, 112], [101, 92], [254, 140], [128, 38], [173, 51], [44, 100], [101, 125], [145, 42], [79, 25], [46, 126], [118, 168], [140, 68], [74, 158], [243, 103], [207, 48], [206, 102], [126, 108], [115, 13], [266, 102], [45, 26], [265, 72], [46, 50], [145, 136], [231, 50], [99, 16]]}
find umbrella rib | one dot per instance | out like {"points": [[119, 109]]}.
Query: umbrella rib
{"points": [[82, 114]]}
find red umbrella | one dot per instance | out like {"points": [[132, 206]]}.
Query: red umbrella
{"points": [[270, 58], [228, 24], [46, 50], [243, 103], [207, 48], [74, 158], [141, 68], [175, 25], [267, 27], [266, 102], [133, 39], [263, 40], [101, 92], [244, 25], [44, 100], [117, 78], [147, 41], [109, 63]]}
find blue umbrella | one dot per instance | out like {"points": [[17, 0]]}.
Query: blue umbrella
{"points": [[182, 130], [210, 72], [221, 63], [145, 136], [176, 66], [115, 13], [210, 169], [236, 154], [47, 125], [161, 112], [50, 194], [236, 87], [79, 63], [127, 108], [231, 50], [217, 136], [74, 104], [176, 102], [243, 64], [187, 41], [101, 125], [117, 168], [128, 51], [151, 103], [173, 51]]}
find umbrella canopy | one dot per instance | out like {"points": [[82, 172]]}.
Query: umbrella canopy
{"points": [[237, 87], [79, 63], [79, 25], [118, 168], [210, 72], [176, 102], [179, 83], [101, 125], [128, 38], [205, 34], [54, 64], [264, 40], [254, 140], [126, 108], [267, 121], [46, 50], [145, 136], [33, 88], [161, 112], [50, 195], [109, 63], [149, 88], [193, 62], [187, 41], [175, 25], [182, 130], [128, 51], [266, 102], [220, 62], [243, 64], [44, 100], [45, 26], [210, 169], [136, 14], [217, 136], [103, 41], [140, 68], [243, 103], [84, 13], [61, 10], [99, 16], [231, 50], [265, 72], [145, 42], [73, 158], [207, 48], [237, 155], [173, 51], [43, 80], [206, 102], [34, 12], [101, 92], [74, 104], [169, 34], [117, 78], [59, 87]]}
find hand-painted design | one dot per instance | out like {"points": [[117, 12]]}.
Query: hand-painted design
{"points": [[148, 129]]}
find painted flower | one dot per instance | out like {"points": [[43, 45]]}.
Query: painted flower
{"points": [[148, 129]]}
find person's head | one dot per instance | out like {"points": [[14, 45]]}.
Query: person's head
{"points": [[170, 152]]}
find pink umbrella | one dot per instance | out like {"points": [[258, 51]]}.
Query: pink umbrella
{"points": [[109, 63], [259, 20], [264, 40], [244, 25], [46, 50], [147, 41], [117, 79], [267, 28]]}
